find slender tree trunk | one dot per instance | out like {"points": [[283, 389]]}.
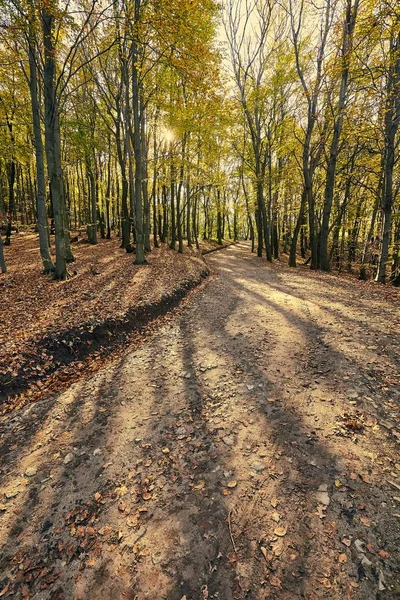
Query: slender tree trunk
{"points": [[179, 195], [395, 273], [41, 208], [108, 192], [2, 260], [299, 222], [188, 214], [348, 29], [172, 244], [140, 258], [219, 218], [53, 147], [92, 225], [249, 218], [145, 189], [164, 197], [391, 120]]}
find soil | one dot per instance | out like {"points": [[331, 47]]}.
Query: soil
{"points": [[248, 449]]}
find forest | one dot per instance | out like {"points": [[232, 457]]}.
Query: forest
{"points": [[178, 121], [200, 292]]}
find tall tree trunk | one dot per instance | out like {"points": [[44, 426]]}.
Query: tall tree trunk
{"points": [[391, 121], [11, 173], [53, 147], [395, 273], [164, 199], [2, 259], [249, 218], [124, 216], [172, 243], [299, 222], [154, 190], [92, 225], [140, 258], [348, 29], [179, 195], [188, 214], [219, 218], [145, 189], [108, 191], [41, 208]]}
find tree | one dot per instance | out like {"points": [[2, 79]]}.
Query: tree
{"points": [[349, 22]]}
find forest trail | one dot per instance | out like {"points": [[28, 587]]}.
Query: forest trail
{"points": [[247, 450]]}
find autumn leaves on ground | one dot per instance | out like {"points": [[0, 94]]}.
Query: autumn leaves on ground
{"points": [[247, 446]]}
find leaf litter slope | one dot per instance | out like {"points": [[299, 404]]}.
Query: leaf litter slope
{"points": [[248, 450], [53, 329]]}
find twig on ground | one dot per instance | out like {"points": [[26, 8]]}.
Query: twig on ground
{"points": [[230, 532]]}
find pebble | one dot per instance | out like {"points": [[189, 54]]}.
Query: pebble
{"points": [[322, 495], [68, 458], [228, 440]]}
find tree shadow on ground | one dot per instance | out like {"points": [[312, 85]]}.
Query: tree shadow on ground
{"points": [[152, 515]]}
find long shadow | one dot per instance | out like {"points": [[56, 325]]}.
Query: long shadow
{"points": [[285, 431], [322, 296], [190, 518], [170, 467], [282, 428], [35, 552], [371, 377]]}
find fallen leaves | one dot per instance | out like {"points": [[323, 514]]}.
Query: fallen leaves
{"points": [[68, 458], [274, 580], [133, 520], [276, 517], [30, 471], [5, 589], [267, 555], [280, 531], [121, 491], [200, 485], [42, 336], [12, 493], [325, 582], [365, 477]]}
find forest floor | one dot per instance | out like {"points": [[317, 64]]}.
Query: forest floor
{"points": [[50, 331], [248, 449]]}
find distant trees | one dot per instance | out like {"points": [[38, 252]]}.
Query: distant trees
{"points": [[333, 175]]}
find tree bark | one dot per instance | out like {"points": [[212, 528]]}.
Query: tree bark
{"points": [[391, 124], [348, 29], [140, 258], [2, 259], [39, 154], [53, 146]]}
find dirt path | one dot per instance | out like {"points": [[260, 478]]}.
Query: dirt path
{"points": [[248, 450]]}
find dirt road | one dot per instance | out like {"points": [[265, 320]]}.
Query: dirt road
{"points": [[247, 450]]}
